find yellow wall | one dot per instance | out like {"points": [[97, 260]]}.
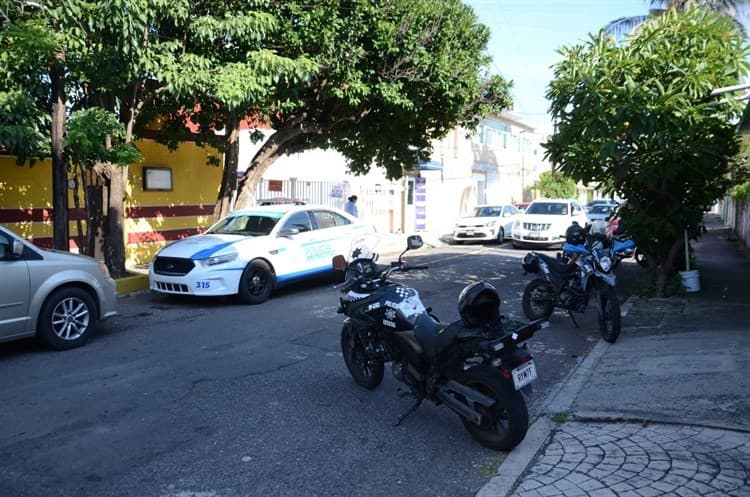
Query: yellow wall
{"points": [[195, 183], [153, 217], [29, 187]]}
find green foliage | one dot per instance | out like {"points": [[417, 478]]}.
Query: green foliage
{"points": [[224, 70], [637, 118], [95, 135], [646, 287], [26, 48], [741, 192], [553, 184], [560, 418], [394, 75]]}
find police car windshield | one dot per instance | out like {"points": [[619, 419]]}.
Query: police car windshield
{"points": [[247, 225]]}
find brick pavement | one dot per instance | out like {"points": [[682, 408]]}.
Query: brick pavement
{"points": [[594, 459], [664, 410]]}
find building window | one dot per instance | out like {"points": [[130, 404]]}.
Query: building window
{"points": [[157, 179]]}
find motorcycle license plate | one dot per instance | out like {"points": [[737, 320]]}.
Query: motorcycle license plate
{"points": [[524, 374]]}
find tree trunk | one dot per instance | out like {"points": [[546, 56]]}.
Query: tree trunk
{"points": [[94, 232], [116, 179], [114, 232], [663, 271], [60, 234], [271, 150], [229, 174]]}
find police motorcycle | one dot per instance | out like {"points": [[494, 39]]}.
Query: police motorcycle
{"points": [[473, 366], [585, 268]]}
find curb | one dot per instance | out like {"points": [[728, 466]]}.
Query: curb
{"points": [[517, 460], [131, 284]]}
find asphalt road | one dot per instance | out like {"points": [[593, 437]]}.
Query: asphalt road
{"points": [[181, 397]]}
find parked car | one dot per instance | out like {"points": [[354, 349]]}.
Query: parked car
{"points": [[521, 206], [487, 223], [600, 211], [598, 201], [544, 222], [251, 252], [56, 296]]}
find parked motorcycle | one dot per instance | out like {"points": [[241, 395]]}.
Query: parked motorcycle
{"points": [[473, 366], [586, 267]]}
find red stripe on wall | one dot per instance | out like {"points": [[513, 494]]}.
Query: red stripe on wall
{"points": [[43, 214], [162, 236], [170, 211], [36, 215], [133, 238], [47, 242]]}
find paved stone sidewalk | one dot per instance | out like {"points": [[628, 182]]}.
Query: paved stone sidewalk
{"points": [[640, 460]]}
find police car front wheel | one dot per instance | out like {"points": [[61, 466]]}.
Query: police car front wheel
{"points": [[256, 283]]}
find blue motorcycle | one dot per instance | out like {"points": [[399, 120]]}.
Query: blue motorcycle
{"points": [[567, 282]]}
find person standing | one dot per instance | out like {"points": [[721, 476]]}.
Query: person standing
{"points": [[351, 206]]}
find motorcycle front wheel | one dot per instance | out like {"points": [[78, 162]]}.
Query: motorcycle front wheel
{"points": [[538, 299], [367, 373], [608, 310], [504, 424]]}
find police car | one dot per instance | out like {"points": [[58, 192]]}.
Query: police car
{"points": [[251, 252]]}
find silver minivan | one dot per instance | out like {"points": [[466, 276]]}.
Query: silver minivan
{"points": [[56, 296]]}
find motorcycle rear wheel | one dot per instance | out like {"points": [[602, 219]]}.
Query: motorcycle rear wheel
{"points": [[367, 373], [538, 299], [504, 424], [608, 310]]}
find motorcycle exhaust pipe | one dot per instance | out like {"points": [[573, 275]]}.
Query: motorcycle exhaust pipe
{"points": [[447, 394]]}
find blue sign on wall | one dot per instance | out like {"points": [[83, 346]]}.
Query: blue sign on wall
{"points": [[420, 204]]}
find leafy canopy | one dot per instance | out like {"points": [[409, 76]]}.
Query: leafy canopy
{"points": [[552, 184], [638, 118], [393, 75]]}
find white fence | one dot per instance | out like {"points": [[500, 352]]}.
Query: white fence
{"points": [[379, 204]]}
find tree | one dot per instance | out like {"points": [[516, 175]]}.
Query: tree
{"points": [[729, 8], [33, 52], [228, 72], [393, 75], [552, 184], [638, 118], [86, 149]]}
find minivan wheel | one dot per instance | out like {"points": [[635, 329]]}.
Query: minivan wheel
{"points": [[67, 319]]}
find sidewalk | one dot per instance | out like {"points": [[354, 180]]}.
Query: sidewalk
{"points": [[663, 411], [395, 243]]}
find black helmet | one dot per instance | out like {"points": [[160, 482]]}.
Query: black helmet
{"points": [[479, 304], [575, 235]]}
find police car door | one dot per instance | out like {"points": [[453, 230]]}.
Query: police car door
{"points": [[292, 250]]}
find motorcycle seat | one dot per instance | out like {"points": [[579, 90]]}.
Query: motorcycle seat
{"points": [[440, 336], [558, 266]]}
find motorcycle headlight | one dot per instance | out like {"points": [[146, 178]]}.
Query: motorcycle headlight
{"points": [[219, 259], [606, 263]]}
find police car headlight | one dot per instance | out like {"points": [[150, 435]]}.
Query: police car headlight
{"points": [[219, 259], [606, 263]]}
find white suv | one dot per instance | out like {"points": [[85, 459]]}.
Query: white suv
{"points": [[544, 222]]}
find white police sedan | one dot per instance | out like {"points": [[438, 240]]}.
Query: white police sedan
{"points": [[251, 252]]}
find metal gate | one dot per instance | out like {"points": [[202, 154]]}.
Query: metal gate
{"points": [[379, 204], [333, 194]]}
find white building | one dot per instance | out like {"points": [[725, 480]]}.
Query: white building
{"points": [[496, 164]]}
